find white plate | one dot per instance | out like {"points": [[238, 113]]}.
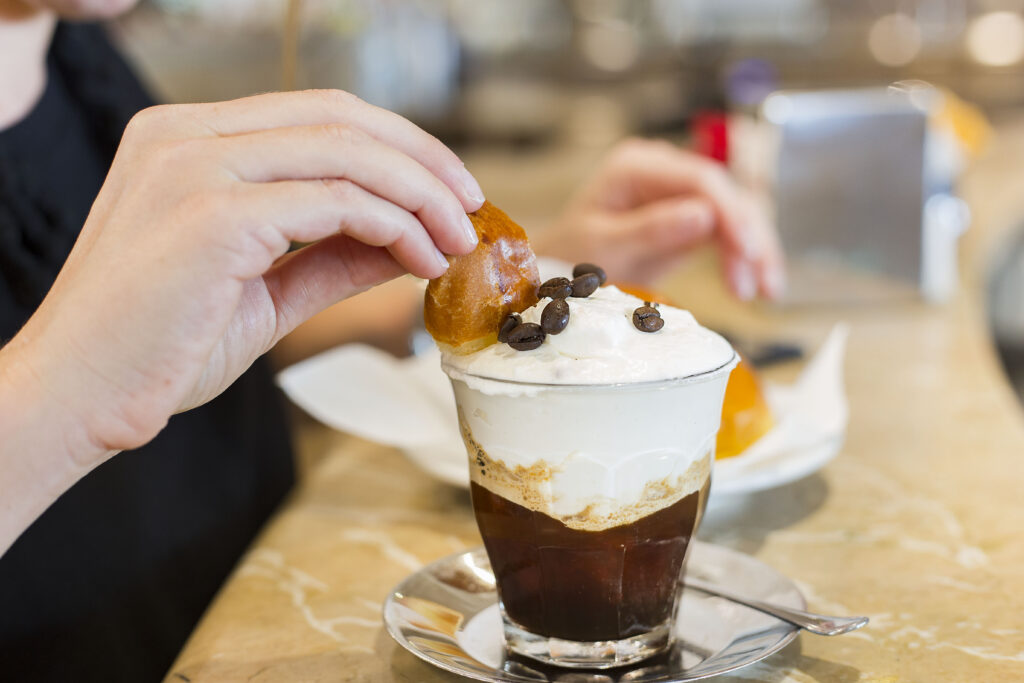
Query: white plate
{"points": [[783, 468]]}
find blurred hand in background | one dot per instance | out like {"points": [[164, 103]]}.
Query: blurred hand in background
{"points": [[649, 203]]}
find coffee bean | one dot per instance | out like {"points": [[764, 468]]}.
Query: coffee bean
{"points": [[526, 337], [647, 319], [585, 285], [555, 316], [556, 288], [511, 321], [584, 268]]}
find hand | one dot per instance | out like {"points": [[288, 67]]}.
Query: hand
{"points": [[181, 276], [649, 203]]}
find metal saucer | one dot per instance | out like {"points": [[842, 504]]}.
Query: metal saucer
{"points": [[447, 614]]}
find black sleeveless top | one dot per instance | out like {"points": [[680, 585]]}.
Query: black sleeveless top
{"points": [[109, 582]]}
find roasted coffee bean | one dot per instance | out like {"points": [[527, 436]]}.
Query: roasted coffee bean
{"points": [[511, 321], [584, 268], [555, 316], [652, 305], [526, 337], [585, 285], [556, 288], [647, 319]]}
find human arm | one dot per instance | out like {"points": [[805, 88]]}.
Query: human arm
{"points": [[181, 276], [39, 443]]}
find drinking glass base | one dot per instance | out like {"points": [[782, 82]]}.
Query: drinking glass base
{"points": [[575, 654]]}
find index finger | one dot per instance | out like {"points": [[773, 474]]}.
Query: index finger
{"points": [[315, 107]]}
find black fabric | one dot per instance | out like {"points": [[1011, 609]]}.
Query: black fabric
{"points": [[53, 163], [109, 582]]}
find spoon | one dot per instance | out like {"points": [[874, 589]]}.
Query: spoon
{"points": [[815, 623]]}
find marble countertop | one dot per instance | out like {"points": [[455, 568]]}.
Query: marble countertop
{"points": [[918, 522]]}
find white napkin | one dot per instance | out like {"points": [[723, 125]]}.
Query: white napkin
{"points": [[810, 425], [408, 404]]}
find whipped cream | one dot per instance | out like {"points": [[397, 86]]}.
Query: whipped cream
{"points": [[600, 345]]}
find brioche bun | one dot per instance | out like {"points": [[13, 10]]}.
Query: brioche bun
{"points": [[464, 308], [746, 416]]}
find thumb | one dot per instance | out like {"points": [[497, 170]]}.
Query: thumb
{"points": [[309, 280], [673, 224]]}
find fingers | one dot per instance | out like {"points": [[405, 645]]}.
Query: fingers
{"points": [[654, 237], [770, 267], [313, 152], [645, 171], [740, 276], [670, 224], [748, 278], [758, 269], [326, 107], [307, 281], [642, 171], [312, 210]]}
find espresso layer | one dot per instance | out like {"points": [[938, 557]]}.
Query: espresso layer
{"points": [[562, 582]]}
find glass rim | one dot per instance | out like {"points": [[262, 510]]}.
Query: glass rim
{"points": [[685, 379]]}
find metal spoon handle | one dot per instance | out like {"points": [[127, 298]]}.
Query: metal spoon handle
{"points": [[815, 623]]}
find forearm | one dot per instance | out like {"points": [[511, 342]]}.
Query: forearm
{"points": [[44, 448]]}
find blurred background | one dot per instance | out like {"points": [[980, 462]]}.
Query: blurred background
{"points": [[514, 71], [854, 119]]}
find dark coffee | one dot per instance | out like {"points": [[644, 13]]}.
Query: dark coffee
{"points": [[566, 583]]}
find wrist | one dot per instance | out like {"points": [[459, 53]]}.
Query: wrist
{"points": [[43, 448], [46, 418]]}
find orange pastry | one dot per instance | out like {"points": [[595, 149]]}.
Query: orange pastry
{"points": [[464, 308], [745, 413], [644, 293]]}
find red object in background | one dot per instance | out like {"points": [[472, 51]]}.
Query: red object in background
{"points": [[711, 135]]}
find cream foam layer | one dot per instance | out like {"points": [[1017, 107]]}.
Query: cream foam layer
{"points": [[600, 345], [593, 457]]}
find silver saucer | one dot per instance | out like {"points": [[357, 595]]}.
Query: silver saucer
{"points": [[447, 614]]}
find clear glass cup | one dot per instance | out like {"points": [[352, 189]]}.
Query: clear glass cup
{"points": [[587, 497]]}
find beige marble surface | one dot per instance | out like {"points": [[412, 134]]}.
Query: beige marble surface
{"points": [[919, 523]]}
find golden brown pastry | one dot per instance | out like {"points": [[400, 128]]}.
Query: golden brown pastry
{"points": [[745, 413], [464, 308], [644, 293]]}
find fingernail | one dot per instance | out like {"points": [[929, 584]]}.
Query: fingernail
{"points": [[471, 187], [751, 246], [467, 227], [744, 282], [441, 258], [775, 282]]}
